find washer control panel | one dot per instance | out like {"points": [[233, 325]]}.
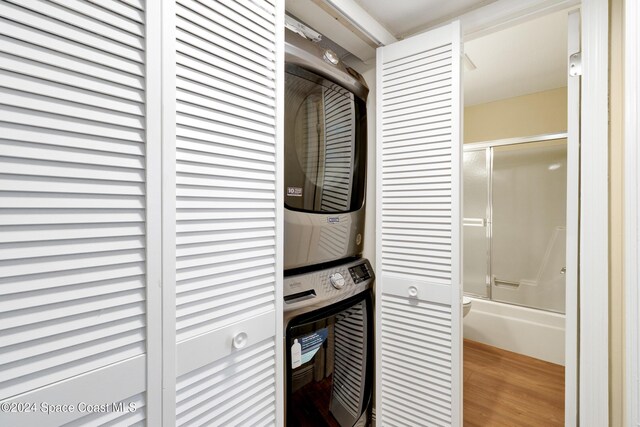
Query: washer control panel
{"points": [[360, 273], [333, 283], [337, 280]]}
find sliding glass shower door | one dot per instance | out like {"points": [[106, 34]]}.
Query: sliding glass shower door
{"points": [[476, 223], [525, 236], [529, 199]]}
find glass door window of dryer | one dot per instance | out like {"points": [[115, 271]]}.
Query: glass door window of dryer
{"points": [[329, 366], [321, 153]]}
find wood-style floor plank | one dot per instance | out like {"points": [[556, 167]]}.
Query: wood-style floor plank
{"points": [[507, 389]]}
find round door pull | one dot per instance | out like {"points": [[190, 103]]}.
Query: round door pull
{"points": [[413, 291], [240, 340]]}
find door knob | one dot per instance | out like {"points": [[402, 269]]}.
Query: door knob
{"points": [[413, 291]]}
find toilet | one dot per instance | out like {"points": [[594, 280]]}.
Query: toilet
{"points": [[466, 305]]}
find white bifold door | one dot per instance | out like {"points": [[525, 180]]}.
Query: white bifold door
{"points": [[73, 223], [228, 207], [418, 288], [140, 212]]}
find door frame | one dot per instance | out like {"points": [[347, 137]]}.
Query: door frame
{"points": [[572, 277], [593, 375], [153, 192], [590, 398], [592, 391], [631, 212]]}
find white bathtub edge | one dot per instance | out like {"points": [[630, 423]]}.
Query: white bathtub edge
{"points": [[534, 333]]}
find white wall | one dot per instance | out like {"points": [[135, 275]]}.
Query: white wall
{"points": [[369, 250], [368, 71]]}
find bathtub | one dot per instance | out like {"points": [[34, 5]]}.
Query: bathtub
{"points": [[523, 330]]}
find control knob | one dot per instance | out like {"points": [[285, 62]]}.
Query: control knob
{"points": [[337, 280]]}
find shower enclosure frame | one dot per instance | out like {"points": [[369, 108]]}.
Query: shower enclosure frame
{"points": [[484, 146]]}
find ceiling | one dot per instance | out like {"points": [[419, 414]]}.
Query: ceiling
{"points": [[526, 58], [405, 17]]}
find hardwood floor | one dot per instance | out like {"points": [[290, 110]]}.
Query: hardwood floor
{"points": [[309, 406], [502, 388]]}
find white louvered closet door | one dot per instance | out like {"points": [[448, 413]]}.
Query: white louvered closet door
{"points": [[418, 288], [228, 210], [73, 316]]}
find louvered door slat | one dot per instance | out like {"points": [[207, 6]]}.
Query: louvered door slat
{"points": [[232, 389], [213, 102], [54, 65], [72, 204], [197, 93], [85, 9], [130, 63], [42, 168], [70, 26], [63, 92], [418, 260], [44, 103], [228, 72], [87, 23], [88, 148], [223, 21], [133, 415], [191, 70], [133, 11], [204, 39], [252, 16]]}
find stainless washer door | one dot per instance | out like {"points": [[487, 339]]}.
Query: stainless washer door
{"points": [[329, 364]]}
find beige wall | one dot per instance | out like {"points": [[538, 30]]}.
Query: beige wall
{"points": [[616, 208], [527, 115]]}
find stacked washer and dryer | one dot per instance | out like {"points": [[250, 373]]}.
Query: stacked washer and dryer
{"points": [[328, 308]]}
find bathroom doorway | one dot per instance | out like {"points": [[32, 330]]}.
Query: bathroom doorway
{"points": [[515, 179]]}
